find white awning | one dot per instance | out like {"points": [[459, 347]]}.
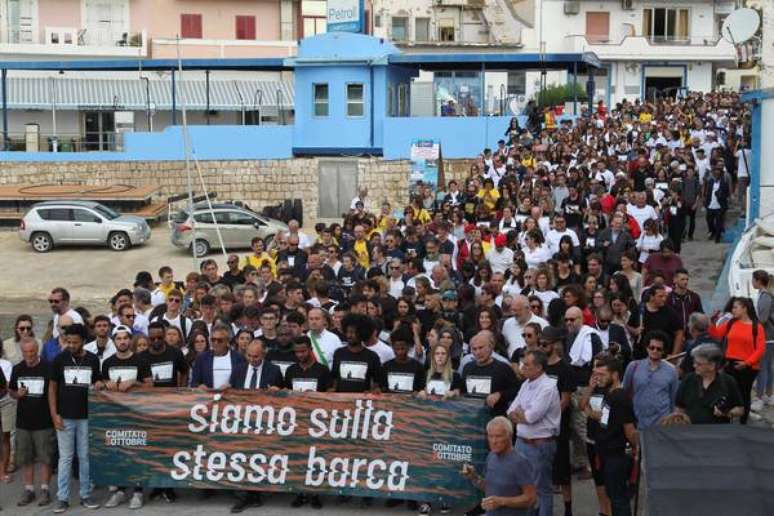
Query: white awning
{"points": [[131, 95]]}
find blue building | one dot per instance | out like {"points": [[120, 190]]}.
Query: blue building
{"points": [[352, 98]]}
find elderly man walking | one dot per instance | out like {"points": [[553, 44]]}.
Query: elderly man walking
{"points": [[537, 413], [509, 485]]}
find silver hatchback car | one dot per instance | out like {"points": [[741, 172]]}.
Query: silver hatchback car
{"points": [[53, 223], [238, 226]]}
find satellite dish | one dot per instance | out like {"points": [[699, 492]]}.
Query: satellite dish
{"points": [[740, 25]]}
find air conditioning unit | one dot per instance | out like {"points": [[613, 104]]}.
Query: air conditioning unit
{"points": [[627, 5], [572, 7]]}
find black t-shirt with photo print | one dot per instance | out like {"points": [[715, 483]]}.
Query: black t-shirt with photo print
{"points": [[116, 369], [617, 411], [32, 410], [74, 376], [316, 378], [403, 377], [480, 381], [165, 366], [355, 371]]}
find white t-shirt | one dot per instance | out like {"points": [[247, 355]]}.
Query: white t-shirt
{"points": [[641, 214], [500, 260], [221, 370], [384, 351], [553, 237], [512, 332], [7, 369], [744, 157]]}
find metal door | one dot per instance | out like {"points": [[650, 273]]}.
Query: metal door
{"points": [[338, 186]]}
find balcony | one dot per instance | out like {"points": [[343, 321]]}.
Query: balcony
{"points": [[644, 48], [166, 48], [74, 42]]}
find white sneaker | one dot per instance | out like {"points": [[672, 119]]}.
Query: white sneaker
{"points": [[755, 417], [768, 400], [757, 405], [136, 501], [116, 499]]}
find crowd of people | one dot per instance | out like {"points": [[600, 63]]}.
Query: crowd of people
{"points": [[548, 284]]}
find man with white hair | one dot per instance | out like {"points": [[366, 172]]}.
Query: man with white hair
{"points": [[509, 485], [514, 326], [304, 241]]}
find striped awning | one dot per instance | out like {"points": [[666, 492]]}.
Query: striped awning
{"points": [[130, 94]]}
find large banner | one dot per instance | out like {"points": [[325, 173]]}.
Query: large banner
{"points": [[425, 156], [362, 445]]}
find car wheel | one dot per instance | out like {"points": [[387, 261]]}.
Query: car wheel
{"points": [[118, 241], [201, 248], [41, 242]]}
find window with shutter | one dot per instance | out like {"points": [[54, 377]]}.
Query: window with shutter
{"points": [[245, 27], [191, 26]]}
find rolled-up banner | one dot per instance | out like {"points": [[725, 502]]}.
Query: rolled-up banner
{"points": [[391, 446]]}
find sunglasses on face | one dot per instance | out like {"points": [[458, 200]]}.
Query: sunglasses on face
{"points": [[173, 300], [54, 301], [656, 348], [24, 328]]}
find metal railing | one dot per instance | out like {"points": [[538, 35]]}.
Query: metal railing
{"points": [[81, 37], [63, 142]]}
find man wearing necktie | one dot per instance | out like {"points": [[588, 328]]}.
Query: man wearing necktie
{"points": [[257, 374]]}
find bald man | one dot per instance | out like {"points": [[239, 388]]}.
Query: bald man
{"points": [[488, 378], [514, 326], [582, 345]]}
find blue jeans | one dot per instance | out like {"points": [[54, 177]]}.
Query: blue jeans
{"points": [[73, 439], [541, 456], [765, 379]]}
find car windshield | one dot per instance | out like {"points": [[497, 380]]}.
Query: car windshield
{"points": [[106, 212]]}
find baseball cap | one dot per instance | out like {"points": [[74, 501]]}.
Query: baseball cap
{"points": [[469, 228], [501, 240], [121, 328]]}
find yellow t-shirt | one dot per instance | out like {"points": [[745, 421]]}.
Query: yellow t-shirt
{"points": [[164, 289], [490, 200], [646, 117], [361, 252], [257, 261]]}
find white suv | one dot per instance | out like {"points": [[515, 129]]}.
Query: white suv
{"points": [[52, 223]]}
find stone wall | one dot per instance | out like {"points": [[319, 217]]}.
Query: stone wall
{"points": [[258, 183]]}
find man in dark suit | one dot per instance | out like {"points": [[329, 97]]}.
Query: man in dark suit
{"points": [[716, 193], [613, 242], [216, 367], [256, 373]]}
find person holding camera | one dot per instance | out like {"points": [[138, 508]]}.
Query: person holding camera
{"points": [[708, 395]]}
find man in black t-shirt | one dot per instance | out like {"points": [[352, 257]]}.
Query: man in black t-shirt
{"points": [[355, 367], [402, 374], [168, 367], [72, 373], [658, 315], [306, 374], [121, 372], [550, 342], [489, 378], [616, 427], [34, 429]]}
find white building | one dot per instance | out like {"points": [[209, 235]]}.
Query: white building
{"points": [[645, 46]]}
